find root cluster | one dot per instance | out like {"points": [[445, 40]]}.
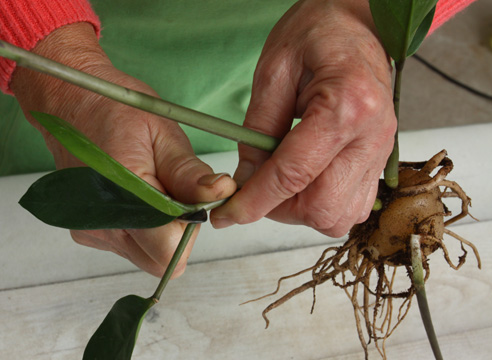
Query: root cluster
{"points": [[365, 266]]}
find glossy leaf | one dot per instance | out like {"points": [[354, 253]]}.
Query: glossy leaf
{"points": [[402, 24], [93, 156], [80, 198], [116, 336], [421, 33]]}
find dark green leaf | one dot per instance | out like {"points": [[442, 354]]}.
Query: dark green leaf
{"points": [[116, 336], [421, 33], [80, 198], [397, 23], [93, 156]]}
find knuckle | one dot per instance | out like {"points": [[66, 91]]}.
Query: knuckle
{"points": [[360, 104], [363, 103], [320, 219], [181, 166], [329, 220], [291, 179], [270, 72], [334, 228], [370, 103], [338, 232], [344, 224]]}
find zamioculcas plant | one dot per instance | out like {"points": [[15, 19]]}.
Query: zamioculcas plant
{"points": [[410, 224], [400, 234]]}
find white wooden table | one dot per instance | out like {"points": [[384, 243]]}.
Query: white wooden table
{"points": [[54, 294]]}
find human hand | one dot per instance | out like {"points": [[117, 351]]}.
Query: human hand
{"points": [[153, 148], [322, 62]]}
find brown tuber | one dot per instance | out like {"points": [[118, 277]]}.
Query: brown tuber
{"points": [[366, 264]]}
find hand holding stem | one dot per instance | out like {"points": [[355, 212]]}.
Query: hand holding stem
{"points": [[157, 150], [324, 64], [325, 172]]}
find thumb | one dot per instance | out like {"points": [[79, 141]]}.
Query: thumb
{"points": [[184, 176]]}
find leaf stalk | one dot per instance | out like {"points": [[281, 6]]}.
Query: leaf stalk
{"points": [[419, 284], [140, 100], [174, 261], [391, 169]]}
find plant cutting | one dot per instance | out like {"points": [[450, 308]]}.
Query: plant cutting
{"points": [[129, 192], [410, 223], [366, 265], [121, 199], [110, 196]]}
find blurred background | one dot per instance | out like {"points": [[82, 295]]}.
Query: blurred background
{"points": [[462, 49]]}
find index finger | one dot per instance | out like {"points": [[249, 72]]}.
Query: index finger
{"points": [[303, 154]]}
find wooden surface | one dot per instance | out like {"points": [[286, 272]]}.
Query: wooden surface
{"points": [[199, 316], [24, 240], [54, 293]]}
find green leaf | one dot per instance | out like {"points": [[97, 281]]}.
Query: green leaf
{"points": [[397, 22], [116, 336], [421, 33], [93, 156], [80, 198]]}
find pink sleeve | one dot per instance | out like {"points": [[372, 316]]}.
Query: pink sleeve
{"points": [[446, 9], [25, 22]]}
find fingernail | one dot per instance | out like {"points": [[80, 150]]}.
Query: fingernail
{"points": [[211, 179], [244, 171], [221, 223]]}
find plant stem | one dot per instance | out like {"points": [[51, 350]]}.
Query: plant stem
{"points": [[143, 102], [391, 169], [419, 284], [378, 205], [174, 261], [140, 100]]}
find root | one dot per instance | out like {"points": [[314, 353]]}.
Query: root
{"points": [[466, 242], [283, 278], [426, 168], [465, 201], [320, 274], [360, 333], [286, 297], [429, 185], [438, 160], [352, 266]]}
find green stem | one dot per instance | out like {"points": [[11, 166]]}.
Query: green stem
{"points": [[391, 169], [210, 205], [378, 205], [140, 100], [174, 261], [419, 284]]}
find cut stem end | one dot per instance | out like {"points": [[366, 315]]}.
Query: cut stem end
{"points": [[419, 284]]}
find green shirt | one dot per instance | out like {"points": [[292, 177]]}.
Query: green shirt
{"points": [[199, 54]]}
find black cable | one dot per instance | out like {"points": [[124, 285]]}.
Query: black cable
{"points": [[452, 80]]}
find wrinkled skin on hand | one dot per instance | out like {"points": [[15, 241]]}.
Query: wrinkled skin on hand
{"points": [[322, 63], [155, 149]]}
